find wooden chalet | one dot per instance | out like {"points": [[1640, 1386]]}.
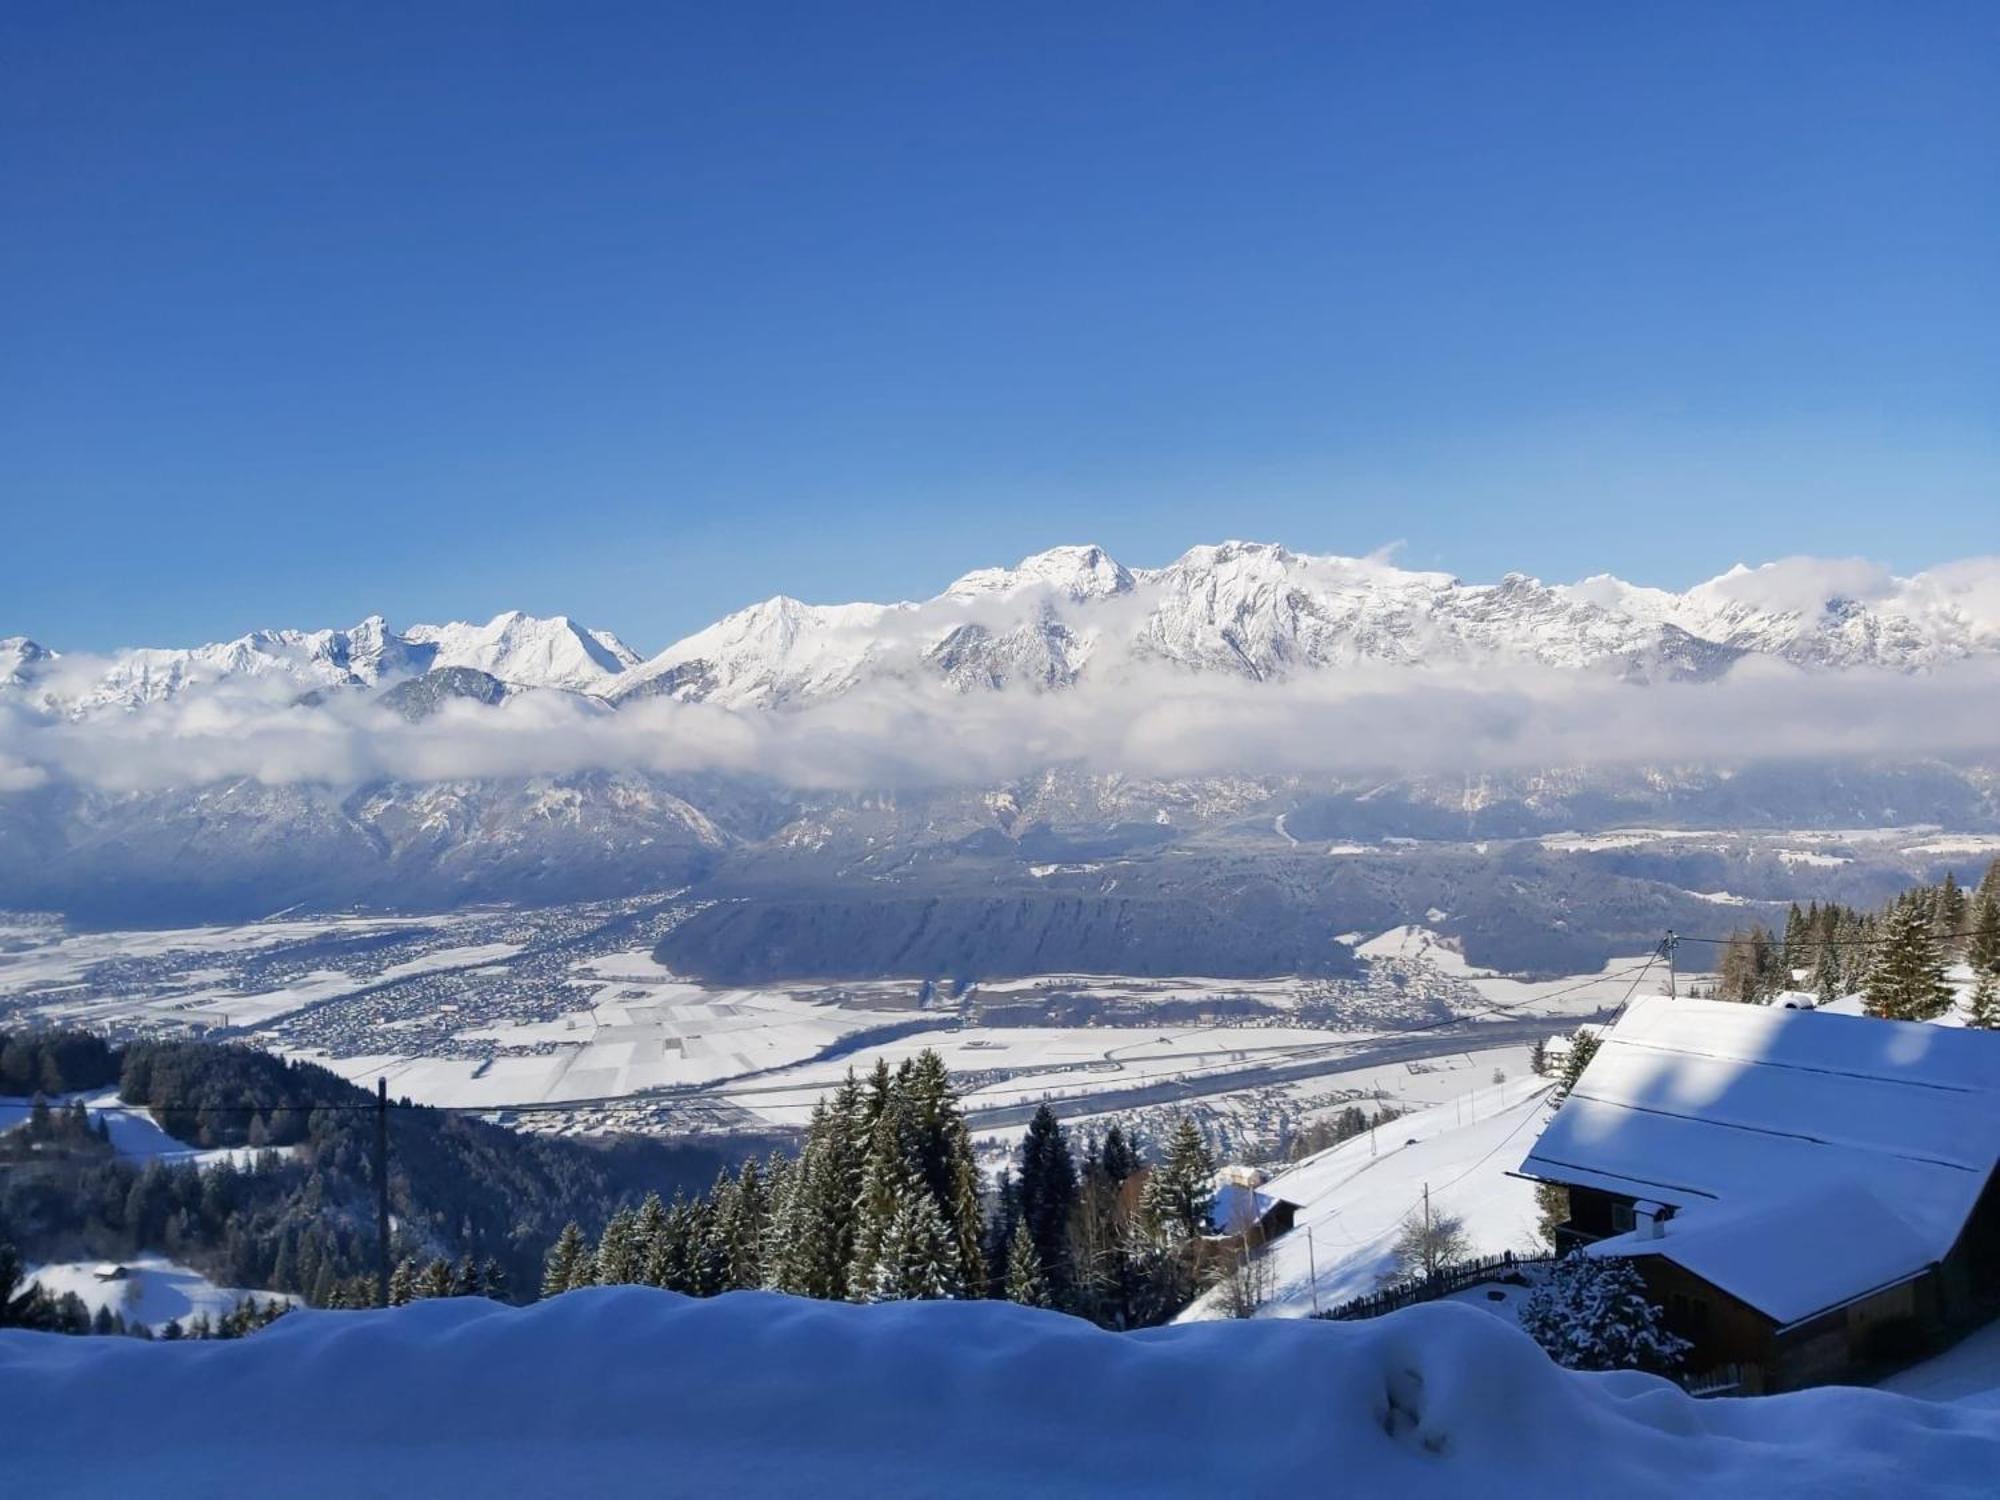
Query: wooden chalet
{"points": [[1810, 1197]]}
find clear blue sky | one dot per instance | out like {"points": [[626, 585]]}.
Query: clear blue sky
{"points": [[642, 312]]}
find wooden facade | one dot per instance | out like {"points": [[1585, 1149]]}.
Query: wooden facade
{"points": [[1877, 1329]]}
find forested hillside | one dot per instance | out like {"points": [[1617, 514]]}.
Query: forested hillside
{"points": [[297, 1215]]}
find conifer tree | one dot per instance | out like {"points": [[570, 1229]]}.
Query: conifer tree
{"points": [[403, 1282], [1179, 1196], [1583, 1047], [1117, 1160], [1795, 943], [1826, 975], [1982, 1006], [780, 1180], [1025, 1282], [1948, 914], [889, 1177], [1982, 948], [670, 1258], [737, 1227], [941, 1151], [1906, 981], [1592, 1313], [1001, 1225], [435, 1278], [796, 1258], [1045, 1191], [619, 1254], [646, 1226], [493, 1280], [559, 1271], [915, 1258], [465, 1277]]}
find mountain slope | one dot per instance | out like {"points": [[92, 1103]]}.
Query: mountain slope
{"points": [[1239, 609]]}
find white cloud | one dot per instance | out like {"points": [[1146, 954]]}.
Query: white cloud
{"points": [[1800, 585], [1163, 722]]}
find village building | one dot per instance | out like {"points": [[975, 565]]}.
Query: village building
{"points": [[1810, 1197], [1244, 1210]]}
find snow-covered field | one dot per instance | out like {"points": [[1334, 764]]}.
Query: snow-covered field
{"points": [[155, 1291], [638, 1036], [633, 1391]]}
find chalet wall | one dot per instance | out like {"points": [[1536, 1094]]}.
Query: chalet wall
{"points": [[1722, 1329], [1970, 1280]]}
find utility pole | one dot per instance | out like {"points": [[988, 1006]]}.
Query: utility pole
{"points": [[1430, 1251], [382, 1191], [1671, 942], [1312, 1267]]}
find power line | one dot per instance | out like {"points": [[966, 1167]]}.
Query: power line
{"points": [[1813, 942]]}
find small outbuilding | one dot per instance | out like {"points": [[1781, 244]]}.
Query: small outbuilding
{"points": [[1244, 1210]]}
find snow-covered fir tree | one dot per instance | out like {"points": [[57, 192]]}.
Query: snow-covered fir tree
{"points": [[1982, 946], [1592, 1313], [1982, 1005], [1025, 1282], [915, 1258], [1583, 1047], [1906, 981], [1179, 1195], [559, 1270]]}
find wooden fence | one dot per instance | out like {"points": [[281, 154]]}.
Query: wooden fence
{"points": [[1430, 1288]]}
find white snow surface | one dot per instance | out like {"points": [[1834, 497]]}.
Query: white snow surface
{"points": [[630, 1390], [1968, 1372]]}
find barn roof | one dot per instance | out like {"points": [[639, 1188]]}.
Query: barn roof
{"points": [[1759, 1124]]}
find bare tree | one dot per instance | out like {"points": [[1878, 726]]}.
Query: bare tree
{"points": [[1248, 1283], [1430, 1242]]}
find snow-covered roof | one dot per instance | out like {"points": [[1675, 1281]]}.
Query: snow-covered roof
{"points": [[1793, 1255], [1238, 1207], [1760, 1123]]}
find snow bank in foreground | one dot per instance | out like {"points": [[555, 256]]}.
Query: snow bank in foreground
{"points": [[628, 1390]]}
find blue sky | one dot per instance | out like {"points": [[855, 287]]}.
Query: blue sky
{"points": [[642, 312]]}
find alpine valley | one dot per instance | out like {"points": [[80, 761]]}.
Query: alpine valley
{"points": [[1226, 831]]}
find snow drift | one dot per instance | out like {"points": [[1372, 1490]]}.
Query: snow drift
{"points": [[628, 1390]]}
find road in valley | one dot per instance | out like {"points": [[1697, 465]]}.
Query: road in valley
{"points": [[1472, 1036]]}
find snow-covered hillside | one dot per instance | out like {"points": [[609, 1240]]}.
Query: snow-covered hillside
{"points": [[1239, 609], [1354, 1197], [629, 1390], [153, 1290]]}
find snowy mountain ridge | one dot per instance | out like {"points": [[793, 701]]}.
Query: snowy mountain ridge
{"points": [[1240, 609]]}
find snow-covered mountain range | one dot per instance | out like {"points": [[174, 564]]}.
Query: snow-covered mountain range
{"points": [[1243, 609]]}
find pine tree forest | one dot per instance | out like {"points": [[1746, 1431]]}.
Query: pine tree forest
{"points": [[1897, 959], [884, 1203]]}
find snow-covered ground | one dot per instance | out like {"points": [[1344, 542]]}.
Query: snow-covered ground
{"points": [[1968, 1373], [633, 1391], [134, 1132], [1354, 1198], [155, 1291]]}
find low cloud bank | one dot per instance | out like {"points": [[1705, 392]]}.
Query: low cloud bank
{"points": [[1164, 723]]}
